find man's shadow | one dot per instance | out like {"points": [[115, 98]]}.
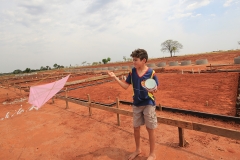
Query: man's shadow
{"points": [[111, 153]]}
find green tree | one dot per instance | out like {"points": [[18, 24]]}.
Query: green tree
{"points": [[171, 46], [95, 63], [27, 70], [84, 62], [104, 61], [17, 71], [42, 68], [55, 65], [124, 58]]}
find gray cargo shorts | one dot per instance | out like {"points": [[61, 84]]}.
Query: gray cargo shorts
{"points": [[145, 115]]}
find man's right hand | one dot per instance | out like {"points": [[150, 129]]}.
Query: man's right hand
{"points": [[111, 74], [122, 84]]}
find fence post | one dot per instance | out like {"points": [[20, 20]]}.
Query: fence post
{"points": [[66, 96], [53, 100], [89, 101], [160, 107], [118, 116], [181, 137]]}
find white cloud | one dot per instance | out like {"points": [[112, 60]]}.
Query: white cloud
{"points": [[198, 4], [71, 31], [45, 20], [228, 3], [186, 8], [197, 15], [180, 15], [183, 15]]}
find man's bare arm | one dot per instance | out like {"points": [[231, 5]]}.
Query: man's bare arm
{"points": [[124, 85]]}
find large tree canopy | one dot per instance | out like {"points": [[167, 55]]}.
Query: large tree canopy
{"points": [[171, 46]]}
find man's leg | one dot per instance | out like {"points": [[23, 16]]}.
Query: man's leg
{"points": [[138, 120], [151, 134], [151, 123], [137, 142]]}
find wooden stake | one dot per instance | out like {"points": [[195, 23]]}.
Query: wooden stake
{"points": [[66, 98], [118, 116], [89, 101], [206, 103], [53, 100], [160, 107], [181, 137]]}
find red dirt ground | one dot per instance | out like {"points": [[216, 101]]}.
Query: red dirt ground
{"points": [[185, 91], [56, 133], [53, 132], [226, 57]]}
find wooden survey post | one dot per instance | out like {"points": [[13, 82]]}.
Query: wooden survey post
{"points": [[89, 103], [66, 96], [160, 107], [7, 97], [118, 116], [181, 137], [53, 100]]}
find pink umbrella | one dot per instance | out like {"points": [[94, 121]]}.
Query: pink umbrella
{"points": [[39, 95]]}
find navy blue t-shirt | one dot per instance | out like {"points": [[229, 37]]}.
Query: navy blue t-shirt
{"points": [[141, 97]]}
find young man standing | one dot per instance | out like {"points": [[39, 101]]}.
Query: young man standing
{"points": [[143, 100]]}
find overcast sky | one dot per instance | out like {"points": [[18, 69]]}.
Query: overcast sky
{"points": [[35, 33]]}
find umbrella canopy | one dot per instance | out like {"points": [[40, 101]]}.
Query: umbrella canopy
{"points": [[39, 95]]}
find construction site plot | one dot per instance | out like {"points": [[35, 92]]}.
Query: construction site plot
{"points": [[91, 117]]}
